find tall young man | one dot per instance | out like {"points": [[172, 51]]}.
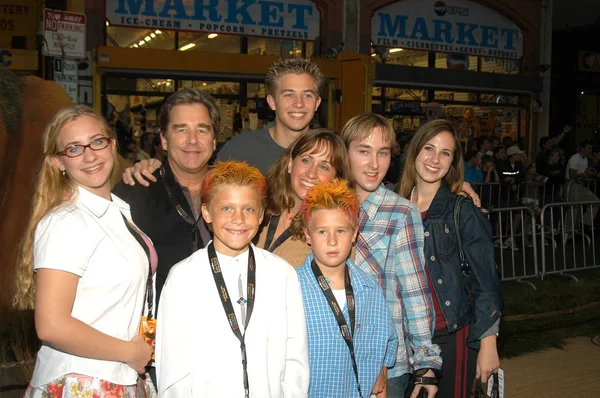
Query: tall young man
{"points": [[390, 247], [293, 93]]}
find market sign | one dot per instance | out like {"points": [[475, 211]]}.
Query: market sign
{"points": [[453, 26], [18, 18], [287, 19], [64, 34]]}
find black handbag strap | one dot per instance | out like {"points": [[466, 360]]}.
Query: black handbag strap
{"points": [[464, 265]]}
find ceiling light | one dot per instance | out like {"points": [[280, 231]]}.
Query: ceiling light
{"points": [[135, 45], [141, 43], [152, 35], [187, 46], [107, 23], [373, 55], [147, 38], [204, 83], [168, 83], [395, 50], [212, 35], [582, 92], [158, 32]]}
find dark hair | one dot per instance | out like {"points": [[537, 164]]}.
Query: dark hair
{"points": [[145, 137], [471, 153], [498, 149], [551, 152], [486, 159], [543, 141], [281, 196], [584, 144], [596, 149], [188, 96], [480, 141]]}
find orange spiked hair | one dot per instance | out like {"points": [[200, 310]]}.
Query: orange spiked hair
{"points": [[233, 173], [334, 194]]}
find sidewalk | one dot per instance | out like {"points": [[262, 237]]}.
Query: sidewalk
{"points": [[568, 373]]}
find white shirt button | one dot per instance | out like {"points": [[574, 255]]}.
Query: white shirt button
{"points": [[447, 303], [440, 281], [426, 233], [432, 258]]}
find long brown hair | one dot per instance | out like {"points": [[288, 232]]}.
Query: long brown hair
{"points": [[281, 195], [455, 176], [52, 190]]}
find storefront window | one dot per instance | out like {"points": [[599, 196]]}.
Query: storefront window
{"points": [[204, 41], [455, 61], [500, 65], [400, 56], [280, 48], [118, 36]]}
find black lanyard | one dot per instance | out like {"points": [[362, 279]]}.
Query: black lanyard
{"points": [[228, 307], [149, 285], [196, 238], [337, 312], [271, 233]]}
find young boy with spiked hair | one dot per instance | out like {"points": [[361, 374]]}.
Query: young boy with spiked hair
{"points": [[231, 321], [351, 337]]}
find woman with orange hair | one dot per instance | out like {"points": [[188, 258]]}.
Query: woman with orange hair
{"points": [[232, 301]]}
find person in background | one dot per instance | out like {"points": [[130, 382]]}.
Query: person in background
{"points": [[499, 154], [472, 165], [129, 155], [158, 152], [146, 145], [316, 156], [231, 321], [395, 169], [330, 282], [85, 267], [489, 193], [578, 170], [467, 301]]}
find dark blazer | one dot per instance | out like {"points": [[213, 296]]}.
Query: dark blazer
{"points": [[443, 264], [154, 213]]}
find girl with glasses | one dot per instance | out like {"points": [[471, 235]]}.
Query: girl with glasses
{"points": [[85, 268]]}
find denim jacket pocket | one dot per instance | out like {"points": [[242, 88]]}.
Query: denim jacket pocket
{"points": [[445, 238]]}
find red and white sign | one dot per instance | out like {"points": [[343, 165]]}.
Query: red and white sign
{"points": [[64, 34]]}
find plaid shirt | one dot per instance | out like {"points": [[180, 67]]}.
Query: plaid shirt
{"points": [[375, 341], [390, 247]]}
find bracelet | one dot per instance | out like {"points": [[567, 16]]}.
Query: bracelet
{"points": [[431, 381]]}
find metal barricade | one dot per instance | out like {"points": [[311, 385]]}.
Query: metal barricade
{"points": [[515, 241], [569, 227]]}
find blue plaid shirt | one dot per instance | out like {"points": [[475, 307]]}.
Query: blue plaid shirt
{"points": [[390, 247], [375, 341]]}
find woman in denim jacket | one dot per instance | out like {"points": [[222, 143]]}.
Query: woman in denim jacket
{"points": [[465, 328]]}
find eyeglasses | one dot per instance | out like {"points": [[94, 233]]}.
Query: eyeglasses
{"points": [[73, 151]]}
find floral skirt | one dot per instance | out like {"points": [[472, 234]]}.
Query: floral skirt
{"points": [[79, 386]]}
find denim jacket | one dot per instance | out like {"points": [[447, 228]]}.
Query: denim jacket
{"points": [[443, 264]]}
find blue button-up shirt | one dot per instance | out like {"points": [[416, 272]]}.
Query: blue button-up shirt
{"points": [[375, 341], [390, 247]]}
